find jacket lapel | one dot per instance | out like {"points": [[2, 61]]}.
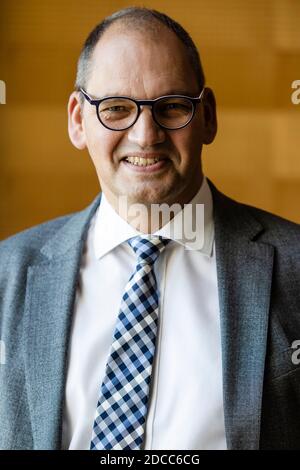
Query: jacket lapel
{"points": [[244, 269], [50, 295]]}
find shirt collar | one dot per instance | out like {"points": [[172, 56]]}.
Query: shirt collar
{"points": [[110, 230]]}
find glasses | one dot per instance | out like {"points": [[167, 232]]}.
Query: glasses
{"points": [[119, 113]]}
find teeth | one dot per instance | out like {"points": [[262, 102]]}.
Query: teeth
{"points": [[142, 161]]}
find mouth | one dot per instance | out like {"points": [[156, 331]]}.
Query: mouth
{"points": [[145, 163]]}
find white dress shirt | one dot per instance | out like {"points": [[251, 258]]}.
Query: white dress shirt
{"points": [[186, 403]]}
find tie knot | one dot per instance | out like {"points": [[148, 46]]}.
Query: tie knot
{"points": [[148, 250]]}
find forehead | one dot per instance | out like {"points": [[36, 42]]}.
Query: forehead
{"points": [[126, 62]]}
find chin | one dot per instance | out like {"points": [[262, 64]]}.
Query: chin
{"points": [[154, 191], [151, 196]]}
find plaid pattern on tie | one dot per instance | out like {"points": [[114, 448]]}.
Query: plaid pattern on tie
{"points": [[122, 406]]}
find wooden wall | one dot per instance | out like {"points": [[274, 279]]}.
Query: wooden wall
{"points": [[250, 51]]}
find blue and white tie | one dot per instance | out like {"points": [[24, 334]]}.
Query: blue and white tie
{"points": [[123, 403]]}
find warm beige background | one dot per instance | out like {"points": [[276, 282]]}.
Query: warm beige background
{"points": [[251, 54]]}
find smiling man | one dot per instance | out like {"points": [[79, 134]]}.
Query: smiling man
{"points": [[121, 334], [154, 155]]}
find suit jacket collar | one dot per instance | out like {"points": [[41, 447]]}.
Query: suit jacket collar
{"points": [[244, 269]]}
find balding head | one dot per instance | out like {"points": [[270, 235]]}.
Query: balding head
{"points": [[139, 20]]}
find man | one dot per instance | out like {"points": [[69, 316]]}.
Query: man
{"points": [[196, 350]]}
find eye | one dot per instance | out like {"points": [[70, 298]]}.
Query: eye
{"points": [[115, 109], [174, 107], [116, 104]]}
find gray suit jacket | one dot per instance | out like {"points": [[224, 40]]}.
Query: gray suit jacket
{"points": [[258, 268]]}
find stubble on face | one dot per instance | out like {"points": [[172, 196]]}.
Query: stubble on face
{"points": [[142, 67]]}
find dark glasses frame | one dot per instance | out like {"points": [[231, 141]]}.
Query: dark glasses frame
{"points": [[139, 103]]}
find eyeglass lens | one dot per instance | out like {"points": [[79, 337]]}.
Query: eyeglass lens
{"points": [[120, 113]]}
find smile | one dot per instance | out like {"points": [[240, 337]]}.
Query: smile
{"points": [[141, 161], [145, 164]]}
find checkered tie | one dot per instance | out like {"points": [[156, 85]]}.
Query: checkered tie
{"points": [[122, 406]]}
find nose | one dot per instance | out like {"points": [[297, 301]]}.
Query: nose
{"points": [[145, 132]]}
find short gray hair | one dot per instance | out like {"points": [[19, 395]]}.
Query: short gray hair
{"points": [[137, 17]]}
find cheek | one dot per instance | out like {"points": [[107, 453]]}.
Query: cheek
{"points": [[188, 144], [102, 144]]}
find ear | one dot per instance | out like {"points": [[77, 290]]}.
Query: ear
{"points": [[75, 127], [210, 116]]}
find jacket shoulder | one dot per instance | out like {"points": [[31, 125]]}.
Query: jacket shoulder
{"points": [[36, 245], [272, 220], [270, 228], [33, 238], [278, 231]]}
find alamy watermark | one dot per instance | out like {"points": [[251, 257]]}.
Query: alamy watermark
{"points": [[2, 92], [189, 224], [296, 353], [295, 97], [2, 352]]}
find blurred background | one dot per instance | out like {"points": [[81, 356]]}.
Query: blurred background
{"points": [[250, 50]]}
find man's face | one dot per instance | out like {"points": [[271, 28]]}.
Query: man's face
{"points": [[144, 67]]}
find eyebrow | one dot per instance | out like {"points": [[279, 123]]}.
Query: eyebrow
{"points": [[169, 92], [178, 92]]}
